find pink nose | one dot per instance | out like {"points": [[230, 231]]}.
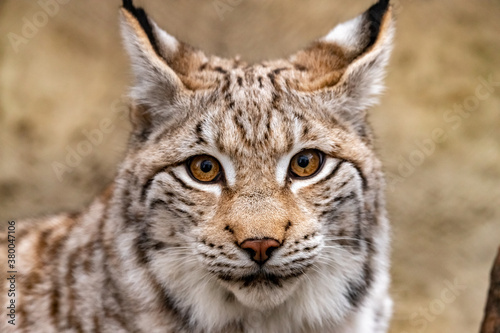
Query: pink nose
{"points": [[260, 249]]}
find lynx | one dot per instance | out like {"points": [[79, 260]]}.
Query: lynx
{"points": [[250, 199]]}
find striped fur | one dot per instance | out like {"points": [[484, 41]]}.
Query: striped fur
{"points": [[161, 252]]}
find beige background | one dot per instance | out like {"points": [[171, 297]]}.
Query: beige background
{"points": [[71, 73]]}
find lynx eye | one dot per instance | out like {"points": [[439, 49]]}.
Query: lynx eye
{"points": [[204, 168], [306, 163]]}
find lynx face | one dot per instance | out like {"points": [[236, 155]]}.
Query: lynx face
{"points": [[240, 175], [257, 180]]}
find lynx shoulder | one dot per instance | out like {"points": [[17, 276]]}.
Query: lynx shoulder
{"points": [[250, 198]]}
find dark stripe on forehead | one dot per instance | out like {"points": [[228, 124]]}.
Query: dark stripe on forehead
{"points": [[277, 71], [220, 70], [272, 78], [276, 98], [300, 67], [249, 76], [199, 134], [227, 84]]}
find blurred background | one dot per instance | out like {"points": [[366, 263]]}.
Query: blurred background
{"points": [[63, 72]]}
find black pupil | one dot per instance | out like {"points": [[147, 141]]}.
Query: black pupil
{"points": [[206, 166], [303, 161]]}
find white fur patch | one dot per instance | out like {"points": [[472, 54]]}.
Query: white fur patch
{"points": [[346, 34], [282, 167], [228, 166], [168, 42]]}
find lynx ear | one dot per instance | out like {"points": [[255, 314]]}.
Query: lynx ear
{"points": [[161, 65], [350, 60]]}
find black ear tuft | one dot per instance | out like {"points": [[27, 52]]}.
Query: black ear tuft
{"points": [[143, 20], [128, 5], [375, 15]]}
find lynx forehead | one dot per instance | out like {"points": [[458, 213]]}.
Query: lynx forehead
{"points": [[250, 198]]}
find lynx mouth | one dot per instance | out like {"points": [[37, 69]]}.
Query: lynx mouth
{"points": [[261, 277]]}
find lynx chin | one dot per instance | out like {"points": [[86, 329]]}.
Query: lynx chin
{"points": [[250, 198]]}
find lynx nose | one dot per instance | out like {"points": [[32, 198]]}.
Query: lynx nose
{"points": [[260, 249]]}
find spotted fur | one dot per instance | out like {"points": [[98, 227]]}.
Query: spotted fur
{"points": [[161, 252]]}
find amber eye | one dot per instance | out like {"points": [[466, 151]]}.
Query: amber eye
{"points": [[204, 168], [306, 163]]}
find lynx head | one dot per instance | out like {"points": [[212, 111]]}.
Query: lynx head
{"points": [[257, 179]]}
